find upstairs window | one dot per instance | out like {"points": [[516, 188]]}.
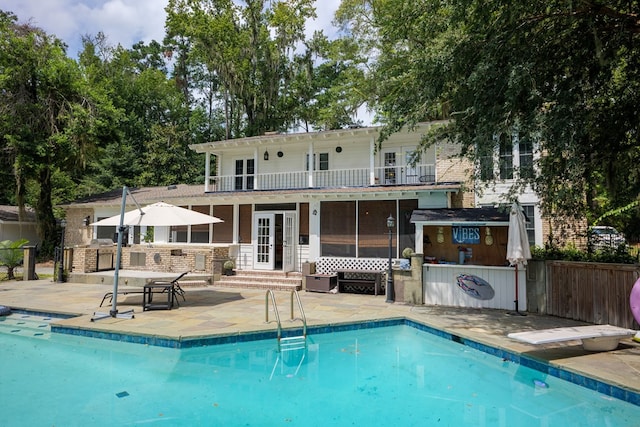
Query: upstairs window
{"points": [[324, 162], [525, 147], [486, 168], [320, 162], [245, 170], [506, 157]]}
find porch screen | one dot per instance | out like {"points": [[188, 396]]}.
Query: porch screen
{"points": [[223, 231], [178, 233], [338, 229], [373, 234], [244, 227], [406, 229], [200, 232]]}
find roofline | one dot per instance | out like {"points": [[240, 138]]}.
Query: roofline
{"points": [[148, 195], [272, 138]]}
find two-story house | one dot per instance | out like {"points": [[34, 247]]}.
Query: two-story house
{"points": [[290, 198]]}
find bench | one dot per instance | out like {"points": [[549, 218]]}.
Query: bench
{"points": [[360, 280], [360, 275]]}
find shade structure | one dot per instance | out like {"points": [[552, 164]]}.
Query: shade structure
{"points": [[518, 251], [159, 215]]}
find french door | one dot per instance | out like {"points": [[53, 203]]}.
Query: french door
{"points": [[289, 241], [274, 241], [264, 237]]}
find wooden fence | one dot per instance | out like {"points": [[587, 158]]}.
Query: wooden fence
{"points": [[592, 292]]}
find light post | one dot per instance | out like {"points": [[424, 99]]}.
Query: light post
{"points": [[63, 225], [390, 224]]}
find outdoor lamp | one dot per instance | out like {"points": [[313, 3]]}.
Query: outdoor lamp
{"points": [[391, 222], [266, 155], [63, 225]]}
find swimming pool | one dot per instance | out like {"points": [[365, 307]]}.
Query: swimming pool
{"points": [[396, 375]]}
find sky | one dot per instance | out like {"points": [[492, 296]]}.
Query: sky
{"points": [[124, 22]]}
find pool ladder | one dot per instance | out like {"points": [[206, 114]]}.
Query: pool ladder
{"points": [[297, 342]]}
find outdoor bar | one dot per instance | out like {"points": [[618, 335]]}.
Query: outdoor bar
{"points": [[465, 259]]}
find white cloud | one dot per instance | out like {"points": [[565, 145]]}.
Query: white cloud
{"points": [[124, 22]]}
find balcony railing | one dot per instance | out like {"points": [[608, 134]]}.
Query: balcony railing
{"points": [[359, 177]]}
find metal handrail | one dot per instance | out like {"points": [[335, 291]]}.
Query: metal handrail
{"points": [[275, 309], [303, 319]]}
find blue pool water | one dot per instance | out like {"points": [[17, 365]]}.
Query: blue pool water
{"points": [[396, 375]]}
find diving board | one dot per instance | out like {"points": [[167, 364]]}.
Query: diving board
{"points": [[593, 337]]}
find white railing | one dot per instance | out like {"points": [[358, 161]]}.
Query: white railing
{"points": [[359, 177]]}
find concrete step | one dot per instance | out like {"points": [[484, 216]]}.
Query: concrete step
{"points": [[251, 279]]}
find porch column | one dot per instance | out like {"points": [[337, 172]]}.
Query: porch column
{"points": [[311, 165], [256, 171], [419, 239], [207, 170], [314, 230], [236, 223], [372, 162]]}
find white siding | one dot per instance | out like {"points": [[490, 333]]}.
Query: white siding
{"points": [[440, 286]]}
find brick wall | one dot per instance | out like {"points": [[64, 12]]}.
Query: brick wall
{"points": [[150, 258]]}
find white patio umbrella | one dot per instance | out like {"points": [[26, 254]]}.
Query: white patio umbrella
{"points": [[157, 214], [160, 214], [518, 251]]}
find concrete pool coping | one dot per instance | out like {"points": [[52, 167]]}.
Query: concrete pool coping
{"points": [[219, 312]]}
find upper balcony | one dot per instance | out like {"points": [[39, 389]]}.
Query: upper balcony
{"points": [[339, 178]]}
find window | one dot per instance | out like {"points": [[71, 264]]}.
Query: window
{"points": [[529, 211], [526, 158], [322, 164], [486, 168], [506, 157], [244, 178], [390, 172]]}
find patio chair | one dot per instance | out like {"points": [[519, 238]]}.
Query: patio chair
{"points": [[175, 288]]}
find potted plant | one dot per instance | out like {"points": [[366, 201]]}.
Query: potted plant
{"points": [[228, 267], [407, 252]]}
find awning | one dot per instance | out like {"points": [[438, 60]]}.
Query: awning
{"points": [[463, 216]]}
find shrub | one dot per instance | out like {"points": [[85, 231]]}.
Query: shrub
{"points": [[11, 255]]}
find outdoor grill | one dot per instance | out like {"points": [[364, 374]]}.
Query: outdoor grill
{"points": [[105, 252]]}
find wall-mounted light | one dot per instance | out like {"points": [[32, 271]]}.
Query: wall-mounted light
{"points": [[280, 154], [86, 220], [266, 155], [315, 212]]}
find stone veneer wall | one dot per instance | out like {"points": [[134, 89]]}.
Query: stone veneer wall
{"points": [[178, 258], [76, 232]]}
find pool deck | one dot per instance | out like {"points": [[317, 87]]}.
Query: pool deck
{"points": [[214, 311]]}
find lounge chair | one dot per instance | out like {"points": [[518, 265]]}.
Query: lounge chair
{"points": [[593, 337]]}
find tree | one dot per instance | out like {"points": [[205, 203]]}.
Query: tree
{"points": [[249, 47], [564, 74], [47, 118], [155, 121]]}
